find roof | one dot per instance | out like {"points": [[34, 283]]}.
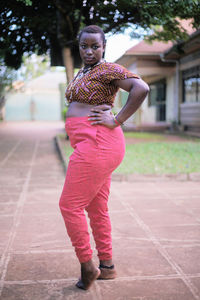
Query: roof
{"points": [[157, 47], [184, 47], [146, 48]]}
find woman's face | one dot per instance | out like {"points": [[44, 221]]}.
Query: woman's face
{"points": [[91, 48]]}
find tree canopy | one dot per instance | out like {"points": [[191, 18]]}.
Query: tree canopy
{"points": [[42, 26]]}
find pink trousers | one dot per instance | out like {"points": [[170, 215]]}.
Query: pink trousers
{"points": [[98, 150]]}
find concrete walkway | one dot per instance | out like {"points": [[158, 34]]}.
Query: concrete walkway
{"points": [[156, 229]]}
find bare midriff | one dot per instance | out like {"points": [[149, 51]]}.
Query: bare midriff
{"points": [[78, 109]]}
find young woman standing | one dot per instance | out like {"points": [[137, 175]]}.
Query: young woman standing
{"points": [[98, 142]]}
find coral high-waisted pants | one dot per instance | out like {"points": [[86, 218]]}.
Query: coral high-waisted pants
{"points": [[98, 150]]}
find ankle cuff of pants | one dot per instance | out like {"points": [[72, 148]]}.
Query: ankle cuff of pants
{"points": [[105, 257], [85, 259]]}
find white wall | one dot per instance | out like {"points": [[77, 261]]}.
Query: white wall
{"points": [[133, 68], [40, 99], [170, 92], [46, 106], [148, 113]]}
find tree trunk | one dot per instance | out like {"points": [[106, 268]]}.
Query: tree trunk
{"points": [[68, 63]]}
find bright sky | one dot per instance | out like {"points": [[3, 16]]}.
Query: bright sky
{"points": [[118, 44]]}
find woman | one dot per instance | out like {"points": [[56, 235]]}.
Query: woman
{"points": [[98, 142]]}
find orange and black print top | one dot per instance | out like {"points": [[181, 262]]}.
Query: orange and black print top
{"points": [[96, 86]]}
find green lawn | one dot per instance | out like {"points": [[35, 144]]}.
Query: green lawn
{"points": [[155, 155], [161, 158], [144, 135]]}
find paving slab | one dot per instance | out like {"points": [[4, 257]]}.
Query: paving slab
{"points": [[155, 225]]}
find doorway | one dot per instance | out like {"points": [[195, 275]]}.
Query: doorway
{"points": [[157, 98]]}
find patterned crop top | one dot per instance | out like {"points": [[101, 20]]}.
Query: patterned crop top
{"points": [[96, 86]]}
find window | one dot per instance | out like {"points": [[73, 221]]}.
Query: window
{"points": [[157, 93], [191, 85]]}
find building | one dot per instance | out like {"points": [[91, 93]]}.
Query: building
{"points": [[173, 74], [40, 99]]}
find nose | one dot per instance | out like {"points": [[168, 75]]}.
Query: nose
{"points": [[89, 51]]}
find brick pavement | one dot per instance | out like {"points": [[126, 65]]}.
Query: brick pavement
{"points": [[156, 229]]}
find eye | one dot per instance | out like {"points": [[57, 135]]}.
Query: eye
{"points": [[95, 47], [83, 46]]}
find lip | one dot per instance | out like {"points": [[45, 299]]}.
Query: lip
{"points": [[89, 59]]}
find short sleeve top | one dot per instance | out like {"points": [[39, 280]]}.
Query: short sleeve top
{"points": [[96, 86]]}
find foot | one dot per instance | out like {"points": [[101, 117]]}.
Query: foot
{"points": [[107, 273], [89, 273], [107, 269]]}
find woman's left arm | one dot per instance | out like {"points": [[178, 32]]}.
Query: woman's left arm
{"points": [[137, 89]]}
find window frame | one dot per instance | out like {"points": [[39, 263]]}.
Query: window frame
{"points": [[189, 74]]}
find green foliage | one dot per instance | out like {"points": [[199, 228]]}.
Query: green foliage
{"points": [[64, 111], [7, 76], [27, 2], [37, 26], [26, 29], [33, 66]]}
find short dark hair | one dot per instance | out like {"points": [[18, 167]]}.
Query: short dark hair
{"points": [[92, 29]]}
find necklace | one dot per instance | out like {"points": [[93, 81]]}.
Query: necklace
{"points": [[85, 70], [82, 72]]}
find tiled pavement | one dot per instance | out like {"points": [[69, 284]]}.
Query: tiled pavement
{"points": [[156, 229]]}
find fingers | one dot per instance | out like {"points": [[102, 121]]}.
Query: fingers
{"points": [[96, 114], [101, 117], [102, 107], [94, 118], [100, 113], [97, 122], [97, 110]]}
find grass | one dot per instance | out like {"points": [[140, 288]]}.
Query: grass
{"points": [[161, 158], [144, 135], [156, 155], [149, 136]]}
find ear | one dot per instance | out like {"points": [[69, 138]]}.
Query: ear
{"points": [[104, 47]]}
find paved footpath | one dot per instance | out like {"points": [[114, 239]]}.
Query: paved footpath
{"points": [[156, 229]]}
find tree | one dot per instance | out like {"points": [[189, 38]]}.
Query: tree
{"points": [[33, 66], [51, 26], [7, 75]]}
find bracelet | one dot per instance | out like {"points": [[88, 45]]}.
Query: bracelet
{"points": [[117, 122]]}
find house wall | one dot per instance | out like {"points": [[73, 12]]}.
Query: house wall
{"points": [[190, 60], [120, 100], [133, 68], [189, 112], [170, 90], [39, 99], [148, 115], [153, 71], [33, 106], [145, 114]]}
